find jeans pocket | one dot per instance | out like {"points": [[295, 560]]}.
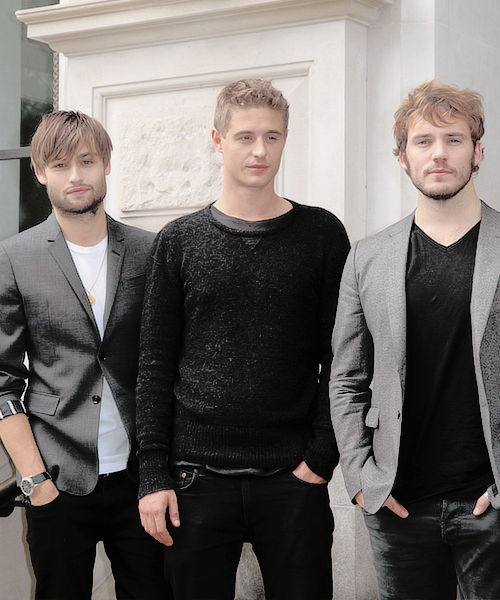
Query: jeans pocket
{"points": [[308, 483], [183, 477], [44, 507]]}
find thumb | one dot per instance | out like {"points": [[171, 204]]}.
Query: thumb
{"points": [[481, 505]]}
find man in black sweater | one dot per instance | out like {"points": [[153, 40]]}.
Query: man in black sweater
{"points": [[236, 441]]}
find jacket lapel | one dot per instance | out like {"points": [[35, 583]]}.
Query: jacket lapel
{"points": [[116, 253], [486, 272], [61, 254], [397, 253]]}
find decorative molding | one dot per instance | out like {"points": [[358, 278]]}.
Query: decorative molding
{"points": [[95, 26], [174, 177], [194, 81]]}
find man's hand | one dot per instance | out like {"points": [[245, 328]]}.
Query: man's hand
{"points": [[304, 472], [391, 503], [44, 493], [153, 510], [481, 505]]}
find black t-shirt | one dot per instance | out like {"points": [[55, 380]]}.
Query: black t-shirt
{"points": [[442, 443]]}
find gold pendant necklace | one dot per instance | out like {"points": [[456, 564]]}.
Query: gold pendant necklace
{"points": [[89, 291]]}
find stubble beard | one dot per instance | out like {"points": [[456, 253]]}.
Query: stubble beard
{"points": [[91, 205], [442, 196]]}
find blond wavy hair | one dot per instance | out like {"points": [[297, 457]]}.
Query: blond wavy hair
{"points": [[248, 93], [62, 132], [439, 104]]}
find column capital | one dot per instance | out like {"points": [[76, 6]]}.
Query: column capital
{"points": [[89, 27]]}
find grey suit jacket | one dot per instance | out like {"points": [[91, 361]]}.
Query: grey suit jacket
{"points": [[367, 383], [45, 315]]}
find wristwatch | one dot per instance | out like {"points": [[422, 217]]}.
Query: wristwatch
{"points": [[28, 484]]}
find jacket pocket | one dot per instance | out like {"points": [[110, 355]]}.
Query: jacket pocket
{"points": [[372, 417], [43, 404], [133, 281]]}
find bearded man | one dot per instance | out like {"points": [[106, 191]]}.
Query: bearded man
{"points": [[415, 382], [71, 292]]}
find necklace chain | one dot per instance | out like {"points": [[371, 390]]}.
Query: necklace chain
{"points": [[89, 291]]}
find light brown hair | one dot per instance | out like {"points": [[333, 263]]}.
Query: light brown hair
{"points": [[439, 103], [248, 93], [61, 133]]}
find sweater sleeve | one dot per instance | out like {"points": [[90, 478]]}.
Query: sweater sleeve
{"points": [[322, 454], [160, 343]]}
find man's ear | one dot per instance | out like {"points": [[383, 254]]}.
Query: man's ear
{"points": [[107, 168], [217, 140], [478, 154], [402, 160], [40, 175]]}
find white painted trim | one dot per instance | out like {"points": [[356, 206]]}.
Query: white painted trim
{"points": [[90, 27]]}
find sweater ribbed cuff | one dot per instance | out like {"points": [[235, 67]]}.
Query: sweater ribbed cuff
{"points": [[153, 472], [320, 464]]}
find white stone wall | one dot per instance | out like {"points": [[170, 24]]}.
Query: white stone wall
{"points": [[174, 106], [159, 64], [412, 42]]}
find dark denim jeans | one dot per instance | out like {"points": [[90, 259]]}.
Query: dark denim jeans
{"points": [[63, 534], [288, 522], [441, 544]]}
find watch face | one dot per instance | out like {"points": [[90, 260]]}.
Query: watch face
{"points": [[27, 487]]}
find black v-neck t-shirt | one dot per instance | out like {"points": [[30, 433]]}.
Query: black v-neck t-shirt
{"points": [[442, 443]]}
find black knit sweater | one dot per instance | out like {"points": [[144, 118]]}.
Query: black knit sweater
{"points": [[236, 344]]}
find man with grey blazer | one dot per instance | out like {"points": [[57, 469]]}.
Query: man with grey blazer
{"points": [[71, 292], [415, 382]]}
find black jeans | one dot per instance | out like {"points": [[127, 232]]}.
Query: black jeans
{"points": [[440, 544], [63, 534], [289, 523]]}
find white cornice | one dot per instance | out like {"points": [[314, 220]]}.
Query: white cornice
{"points": [[93, 26]]}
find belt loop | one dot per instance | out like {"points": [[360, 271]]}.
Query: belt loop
{"points": [[201, 471]]}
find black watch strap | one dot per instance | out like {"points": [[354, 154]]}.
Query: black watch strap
{"points": [[11, 407], [40, 477], [28, 484]]}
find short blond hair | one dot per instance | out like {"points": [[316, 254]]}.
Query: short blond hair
{"points": [[248, 93], [439, 103], [60, 133]]}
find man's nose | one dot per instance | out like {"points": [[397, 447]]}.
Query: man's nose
{"points": [[440, 151], [259, 148], [75, 174]]}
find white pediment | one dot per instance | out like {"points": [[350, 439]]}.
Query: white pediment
{"points": [[94, 26]]}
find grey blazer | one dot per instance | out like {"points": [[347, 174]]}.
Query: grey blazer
{"points": [[367, 383], [45, 315]]}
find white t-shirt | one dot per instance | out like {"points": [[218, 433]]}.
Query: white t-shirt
{"points": [[112, 445]]}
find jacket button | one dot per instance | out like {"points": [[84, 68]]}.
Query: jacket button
{"points": [[102, 356], [96, 399]]}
